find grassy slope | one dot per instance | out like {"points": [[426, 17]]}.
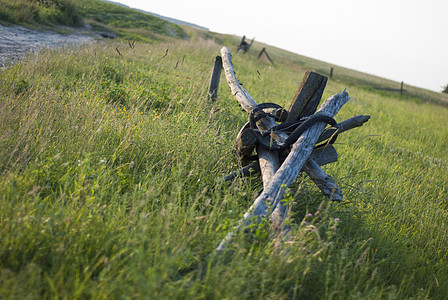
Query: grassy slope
{"points": [[107, 166], [126, 22], [40, 12], [101, 16]]}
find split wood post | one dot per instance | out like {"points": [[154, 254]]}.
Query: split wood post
{"points": [[331, 72], [401, 89], [214, 79]]}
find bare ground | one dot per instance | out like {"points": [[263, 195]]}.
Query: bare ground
{"points": [[15, 41]]}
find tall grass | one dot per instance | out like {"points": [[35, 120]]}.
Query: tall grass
{"points": [[40, 12], [110, 185]]}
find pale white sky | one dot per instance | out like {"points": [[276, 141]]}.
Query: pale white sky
{"points": [[402, 40]]}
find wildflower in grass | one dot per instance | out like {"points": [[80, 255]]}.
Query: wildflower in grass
{"points": [[337, 220], [309, 215]]}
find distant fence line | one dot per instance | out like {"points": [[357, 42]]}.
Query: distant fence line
{"points": [[401, 89]]}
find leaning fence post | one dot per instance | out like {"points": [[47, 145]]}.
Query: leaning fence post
{"points": [[267, 55], [214, 79]]}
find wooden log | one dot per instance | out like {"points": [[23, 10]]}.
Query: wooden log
{"points": [[324, 182], [269, 164], [299, 154], [289, 170], [304, 104], [348, 124], [319, 157], [308, 96], [214, 79], [322, 156], [248, 104], [241, 95]]}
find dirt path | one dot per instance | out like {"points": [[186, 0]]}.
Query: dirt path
{"points": [[15, 41]]}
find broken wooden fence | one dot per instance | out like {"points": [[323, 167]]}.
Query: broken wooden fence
{"points": [[288, 148]]}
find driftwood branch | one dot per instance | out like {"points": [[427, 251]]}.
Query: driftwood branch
{"points": [[240, 94]]}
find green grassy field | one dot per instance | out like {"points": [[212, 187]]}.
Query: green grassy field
{"points": [[111, 187]]}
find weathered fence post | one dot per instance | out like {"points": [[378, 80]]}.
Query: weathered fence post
{"points": [[267, 55], [308, 96], [214, 79], [401, 89], [331, 72]]}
